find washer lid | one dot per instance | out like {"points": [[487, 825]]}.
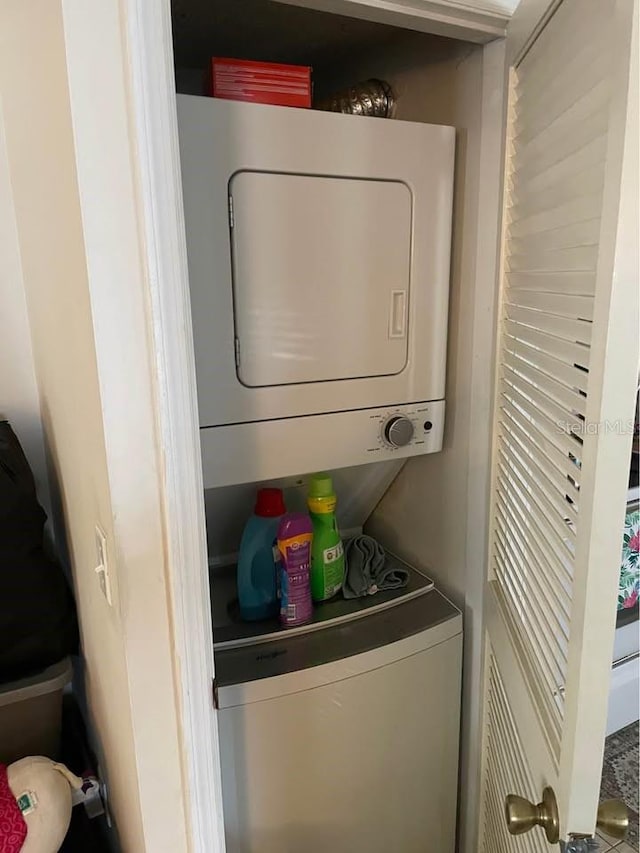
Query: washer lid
{"points": [[428, 619], [321, 270], [231, 631]]}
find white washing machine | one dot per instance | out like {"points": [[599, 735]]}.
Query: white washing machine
{"points": [[341, 736]]}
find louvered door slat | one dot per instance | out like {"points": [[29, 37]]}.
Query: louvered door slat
{"points": [[560, 282], [553, 206], [526, 392], [533, 506], [554, 260], [569, 35], [531, 359], [505, 772], [582, 105], [577, 127], [563, 327], [535, 550], [514, 762], [556, 369], [563, 304], [528, 446], [539, 413], [554, 592], [566, 363], [491, 835], [563, 473], [527, 485], [527, 204], [533, 609], [585, 67], [534, 117], [557, 573], [533, 467], [568, 237], [542, 595], [538, 371], [503, 768], [583, 158], [568, 212], [542, 672], [572, 353]]}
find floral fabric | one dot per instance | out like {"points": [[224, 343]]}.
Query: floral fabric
{"points": [[629, 588], [13, 828]]}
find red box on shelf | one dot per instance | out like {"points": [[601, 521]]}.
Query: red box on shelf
{"points": [[260, 82]]}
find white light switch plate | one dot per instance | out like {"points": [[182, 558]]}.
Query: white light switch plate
{"points": [[102, 567]]}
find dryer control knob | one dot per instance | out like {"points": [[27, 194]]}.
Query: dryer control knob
{"points": [[398, 431]]}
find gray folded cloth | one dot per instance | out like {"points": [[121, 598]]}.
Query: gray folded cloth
{"points": [[366, 569]]}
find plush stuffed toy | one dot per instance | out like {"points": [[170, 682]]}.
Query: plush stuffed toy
{"points": [[35, 805]]}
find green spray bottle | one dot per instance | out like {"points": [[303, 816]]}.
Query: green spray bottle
{"points": [[327, 553]]}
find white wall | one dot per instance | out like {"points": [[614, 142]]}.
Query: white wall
{"points": [[55, 279], [19, 400], [86, 298]]}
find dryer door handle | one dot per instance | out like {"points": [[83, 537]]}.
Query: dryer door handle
{"points": [[398, 314]]}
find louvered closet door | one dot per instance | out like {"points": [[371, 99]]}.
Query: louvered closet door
{"points": [[567, 362]]}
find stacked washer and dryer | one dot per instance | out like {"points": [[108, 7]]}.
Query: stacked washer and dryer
{"points": [[318, 248]]}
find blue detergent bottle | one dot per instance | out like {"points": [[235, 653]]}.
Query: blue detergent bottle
{"points": [[257, 559]]}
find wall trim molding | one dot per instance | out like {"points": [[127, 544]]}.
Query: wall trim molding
{"points": [[464, 21], [155, 139]]}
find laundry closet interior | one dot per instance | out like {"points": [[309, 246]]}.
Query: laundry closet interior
{"points": [[393, 363]]}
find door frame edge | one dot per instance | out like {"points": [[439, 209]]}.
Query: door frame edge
{"points": [[154, 135], [487, 313]]}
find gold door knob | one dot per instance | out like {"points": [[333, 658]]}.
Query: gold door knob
{"points": [[613, 818], [522, 815]]}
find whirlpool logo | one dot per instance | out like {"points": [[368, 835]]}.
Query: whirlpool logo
{"points": [[276, 653]]}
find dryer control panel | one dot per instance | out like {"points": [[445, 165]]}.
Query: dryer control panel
{"points": [[245, 453], [416, 426]]}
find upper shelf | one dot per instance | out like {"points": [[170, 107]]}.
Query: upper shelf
{"points": [[321, 33], [475, 21], [270, 32]]}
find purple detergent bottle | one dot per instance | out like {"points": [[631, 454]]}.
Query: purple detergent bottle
{"points": [[295, 533]]}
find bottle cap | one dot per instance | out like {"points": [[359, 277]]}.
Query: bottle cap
{"points": [[269, 503], [294, 524], [320, 486]]}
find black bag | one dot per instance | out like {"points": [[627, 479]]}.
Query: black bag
{"points": [[38, 624]]}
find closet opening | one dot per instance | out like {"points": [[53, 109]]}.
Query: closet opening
{"points": [[413, 505]]}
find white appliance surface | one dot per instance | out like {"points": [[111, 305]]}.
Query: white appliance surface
{"points": [[248, 453], [283, 338], [318, 248], [230, 631], [345, 738]]}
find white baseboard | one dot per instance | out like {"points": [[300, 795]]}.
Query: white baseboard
{"points": [[627, 641], [624, 703]]}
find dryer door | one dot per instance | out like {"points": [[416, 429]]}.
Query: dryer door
{"points": [[321, 269]]}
